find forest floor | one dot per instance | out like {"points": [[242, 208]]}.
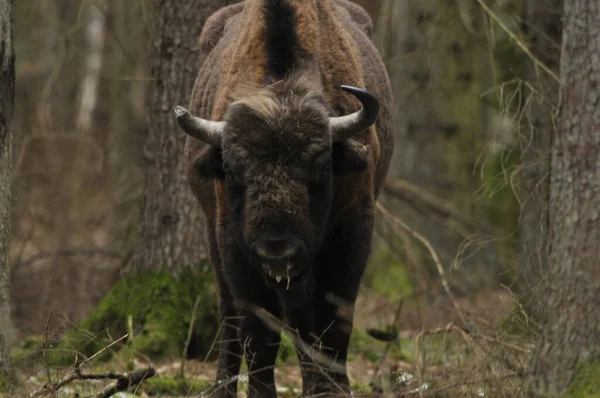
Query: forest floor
{"points": [[430, 356]]}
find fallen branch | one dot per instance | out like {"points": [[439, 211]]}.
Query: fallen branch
{"points": [[75, 374], [70, 253], [125, 381], [122, 381]]}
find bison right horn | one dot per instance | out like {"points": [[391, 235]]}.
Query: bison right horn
{"points": [[344, 127], [204, 130]]}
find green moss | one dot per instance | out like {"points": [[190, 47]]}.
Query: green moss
{"points": [[586, 383], [159, 307], [363, 344], [169, 386], [360, 389], [8, 382], [30, 349], [387, 275]]}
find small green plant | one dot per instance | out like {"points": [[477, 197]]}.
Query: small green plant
{"points": [[169, 386], [586, 383]]}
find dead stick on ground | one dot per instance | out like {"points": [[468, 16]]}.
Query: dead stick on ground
{"points": [[122, 380], [434, 255], [125, 381], [74, 374]]}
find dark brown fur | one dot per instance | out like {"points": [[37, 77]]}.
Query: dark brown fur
{"points": [[275, 129]]}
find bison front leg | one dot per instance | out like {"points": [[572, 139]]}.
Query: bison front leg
{"points": [[339, 271], [230, 349], [261, 344], [255, 304]]}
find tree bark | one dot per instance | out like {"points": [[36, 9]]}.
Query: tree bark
{"points": [[7, 97], [171, 233], [570, 331]]}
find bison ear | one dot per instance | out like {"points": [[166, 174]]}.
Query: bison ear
{"points": [[349, 156], [209, 164]]}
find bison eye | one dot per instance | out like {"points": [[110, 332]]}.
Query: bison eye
{"points": [[231, 176], [324, 172], [320, 168]]}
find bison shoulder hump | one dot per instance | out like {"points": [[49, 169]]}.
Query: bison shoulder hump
{"points": [[358, 15], [216, 25]]}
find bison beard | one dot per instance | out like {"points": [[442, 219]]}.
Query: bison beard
{"points": [[287, 186]]}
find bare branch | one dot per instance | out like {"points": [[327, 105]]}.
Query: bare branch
{"points": [[434, 255], [125, 381]]}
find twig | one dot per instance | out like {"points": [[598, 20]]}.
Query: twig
{"points": [[415, 196], [125, 381], [513, 347], [434, 255], [45, 353], [70, 253], [74, 374], [189, 337], [122, 383], [518, 41], [105, 348]]}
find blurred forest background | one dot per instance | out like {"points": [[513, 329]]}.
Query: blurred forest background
{"points": [[470, 146], [475, 85]]}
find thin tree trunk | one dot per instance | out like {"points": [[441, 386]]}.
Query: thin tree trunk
{"points": [[7, 97], [128, 120], [95, 33], [171, 233], [569, 345]]}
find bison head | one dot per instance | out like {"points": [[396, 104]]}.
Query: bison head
{"points": [[277, 152]]}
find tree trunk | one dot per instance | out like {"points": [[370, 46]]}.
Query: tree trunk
{"points": [[95, 33], [7, 96], [569, 347], [171, 233]]}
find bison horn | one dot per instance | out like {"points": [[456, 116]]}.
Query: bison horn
{"points": [[204, 130], [344, 127]]}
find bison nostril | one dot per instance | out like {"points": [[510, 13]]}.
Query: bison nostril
{"points": [[277, 249]]}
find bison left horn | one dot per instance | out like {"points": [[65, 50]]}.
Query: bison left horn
{"points": [[204, 130], [344, 127]]}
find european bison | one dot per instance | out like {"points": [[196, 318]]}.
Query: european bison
{"points": [[289, 145]]}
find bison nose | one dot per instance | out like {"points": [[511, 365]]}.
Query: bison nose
{"points": [[277, 249]]}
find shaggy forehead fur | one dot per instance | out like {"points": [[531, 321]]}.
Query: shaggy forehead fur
{"points": [[288, 118]]}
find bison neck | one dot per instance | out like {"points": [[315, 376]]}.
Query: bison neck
{"points": [[278, 38]]}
